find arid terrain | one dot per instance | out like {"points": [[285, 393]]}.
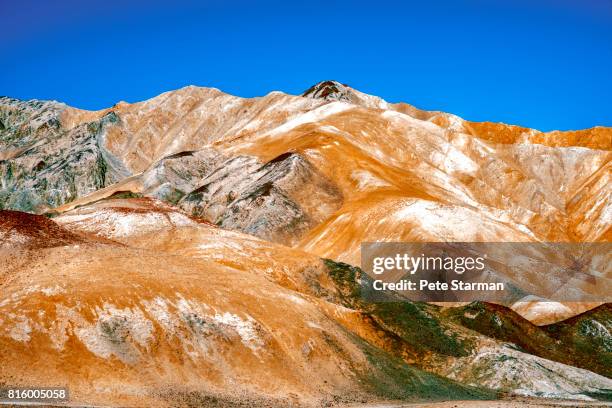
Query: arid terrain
{"points": [[202, 249]]}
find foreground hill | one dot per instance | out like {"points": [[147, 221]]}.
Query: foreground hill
{"points": [[145, 303]]}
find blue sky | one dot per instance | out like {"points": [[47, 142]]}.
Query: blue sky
{"points": [[545, 64]]}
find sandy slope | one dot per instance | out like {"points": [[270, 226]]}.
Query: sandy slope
{"points": [[140, 302]]}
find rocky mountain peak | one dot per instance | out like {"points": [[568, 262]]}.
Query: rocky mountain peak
{"points": [[334, 91], [329, 90]]}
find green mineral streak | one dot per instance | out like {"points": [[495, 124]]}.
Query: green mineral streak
{"points": [[415, 323], [392, 378], [125, 195], [172, 196]]}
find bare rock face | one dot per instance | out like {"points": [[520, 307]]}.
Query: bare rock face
{"points": [[335, 91], [44, 164], [23, 122], [278, 201], [176, 175], [329, 90]]}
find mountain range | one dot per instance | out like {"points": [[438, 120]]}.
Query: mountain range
{"points": [[200, 249]]}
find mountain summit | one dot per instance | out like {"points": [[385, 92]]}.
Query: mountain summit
{"points": [[329, 90], [335, 91]]}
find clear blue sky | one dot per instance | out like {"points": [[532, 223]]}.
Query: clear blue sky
{"points": [[546, 64]]}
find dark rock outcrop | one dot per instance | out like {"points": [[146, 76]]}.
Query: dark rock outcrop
{"points": [[279, 200], [43, 164]]}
